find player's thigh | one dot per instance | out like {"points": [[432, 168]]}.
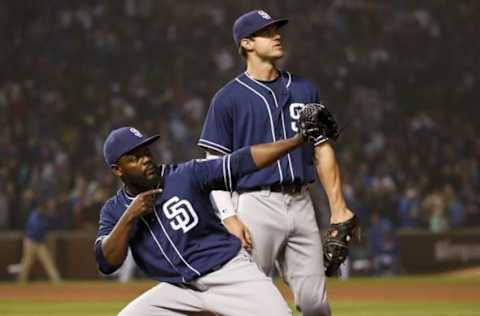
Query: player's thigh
{"points": [[240, 288], [303, 254], [164, 300], [266, 220], [302, 264], [253, 298]]}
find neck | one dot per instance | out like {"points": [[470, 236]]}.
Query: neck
{"points": [[261, 70], [134, 187], [132, 191]]}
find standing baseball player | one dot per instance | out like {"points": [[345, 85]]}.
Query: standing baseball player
{"points": [[273, 212], [164, 214]]}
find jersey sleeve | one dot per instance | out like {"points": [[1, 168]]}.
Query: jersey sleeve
{"points": [[217, 131], [224, 172], [106, 224]]}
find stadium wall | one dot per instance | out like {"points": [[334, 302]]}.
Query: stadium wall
{"points": [[420, 252]]}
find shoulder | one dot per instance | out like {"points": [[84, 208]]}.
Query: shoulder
{"points": [[301, 87], [229, 92], [299, 81], [181, 174], [110, 205], [185, 166], [180, 169], [189, 170]]}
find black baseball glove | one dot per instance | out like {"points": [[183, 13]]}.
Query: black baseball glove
{"points": [[317, 123], [335, 245]]}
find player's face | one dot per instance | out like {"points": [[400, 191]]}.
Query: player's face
{"points": [[267, 43], [138, 170]]}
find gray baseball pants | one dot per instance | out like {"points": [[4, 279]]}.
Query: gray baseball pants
{"points": [[284, 230], [238, 288]]}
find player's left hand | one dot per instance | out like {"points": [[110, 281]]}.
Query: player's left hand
{"points": [[336, 243], [235, 226], [317, 123]]}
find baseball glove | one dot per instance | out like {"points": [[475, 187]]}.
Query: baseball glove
{"points": [[335, 246], [317, 123]]}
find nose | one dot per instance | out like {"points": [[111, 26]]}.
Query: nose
{"points": [[276, 35]]}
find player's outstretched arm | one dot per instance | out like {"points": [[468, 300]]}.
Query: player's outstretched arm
{"points": [[115, 245], [265, 154]]}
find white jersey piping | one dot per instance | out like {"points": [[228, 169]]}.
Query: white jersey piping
{"points": [[271, 120], [205, 143], [158, 243], [168, 238], [171, 243], [283, 121]]}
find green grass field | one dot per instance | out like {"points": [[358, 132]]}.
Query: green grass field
{"points": [[355, 297], [374, 308]]}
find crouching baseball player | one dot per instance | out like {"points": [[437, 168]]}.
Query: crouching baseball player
{"points": [[164, 214]]}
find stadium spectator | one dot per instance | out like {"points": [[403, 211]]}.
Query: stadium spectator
{"points": [[34, 243]]}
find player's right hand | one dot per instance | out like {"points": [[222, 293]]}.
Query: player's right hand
{"points": [[237, 228], [143, 203]]}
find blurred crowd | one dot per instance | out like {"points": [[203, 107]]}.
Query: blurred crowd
{"points": [[400, 76]]}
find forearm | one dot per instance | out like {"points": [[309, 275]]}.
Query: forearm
{"points": [[330, 176], [115, 245], [222, 200], [223, 204], [265, 154]]}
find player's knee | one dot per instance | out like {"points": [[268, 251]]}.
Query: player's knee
{"points": [[313, 306], [311, 296]]}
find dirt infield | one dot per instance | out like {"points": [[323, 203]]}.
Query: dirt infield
{"points": [[355, 290]]}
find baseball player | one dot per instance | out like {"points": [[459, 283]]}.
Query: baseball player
{"points": [[164, 214], [273, 211]]}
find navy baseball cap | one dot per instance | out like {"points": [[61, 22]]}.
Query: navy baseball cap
{"points": [[253, 21], [121, 141]]}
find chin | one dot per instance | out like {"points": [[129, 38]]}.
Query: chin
{"points": [[278, 53], [276, 56], [152, 181]]}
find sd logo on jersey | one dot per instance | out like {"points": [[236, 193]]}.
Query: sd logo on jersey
{"points": [[295, 109], [180, 213]]}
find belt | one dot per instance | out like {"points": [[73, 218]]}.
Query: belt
{"points": [[291, 188]]}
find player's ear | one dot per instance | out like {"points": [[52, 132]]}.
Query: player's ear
{"points": [[117, 170], [246, 44]]}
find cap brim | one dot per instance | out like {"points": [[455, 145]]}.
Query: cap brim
{"points": [[150, 140], [278, 22], [281, 22], [145, 142]]}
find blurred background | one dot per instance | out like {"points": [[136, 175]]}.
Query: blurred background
{"points": [[401, 76]]}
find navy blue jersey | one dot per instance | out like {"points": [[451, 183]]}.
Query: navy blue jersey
{"points": [[246, 112], [182, 239]]}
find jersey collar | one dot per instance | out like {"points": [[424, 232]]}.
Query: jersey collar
{"points": [[285, 76]]}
